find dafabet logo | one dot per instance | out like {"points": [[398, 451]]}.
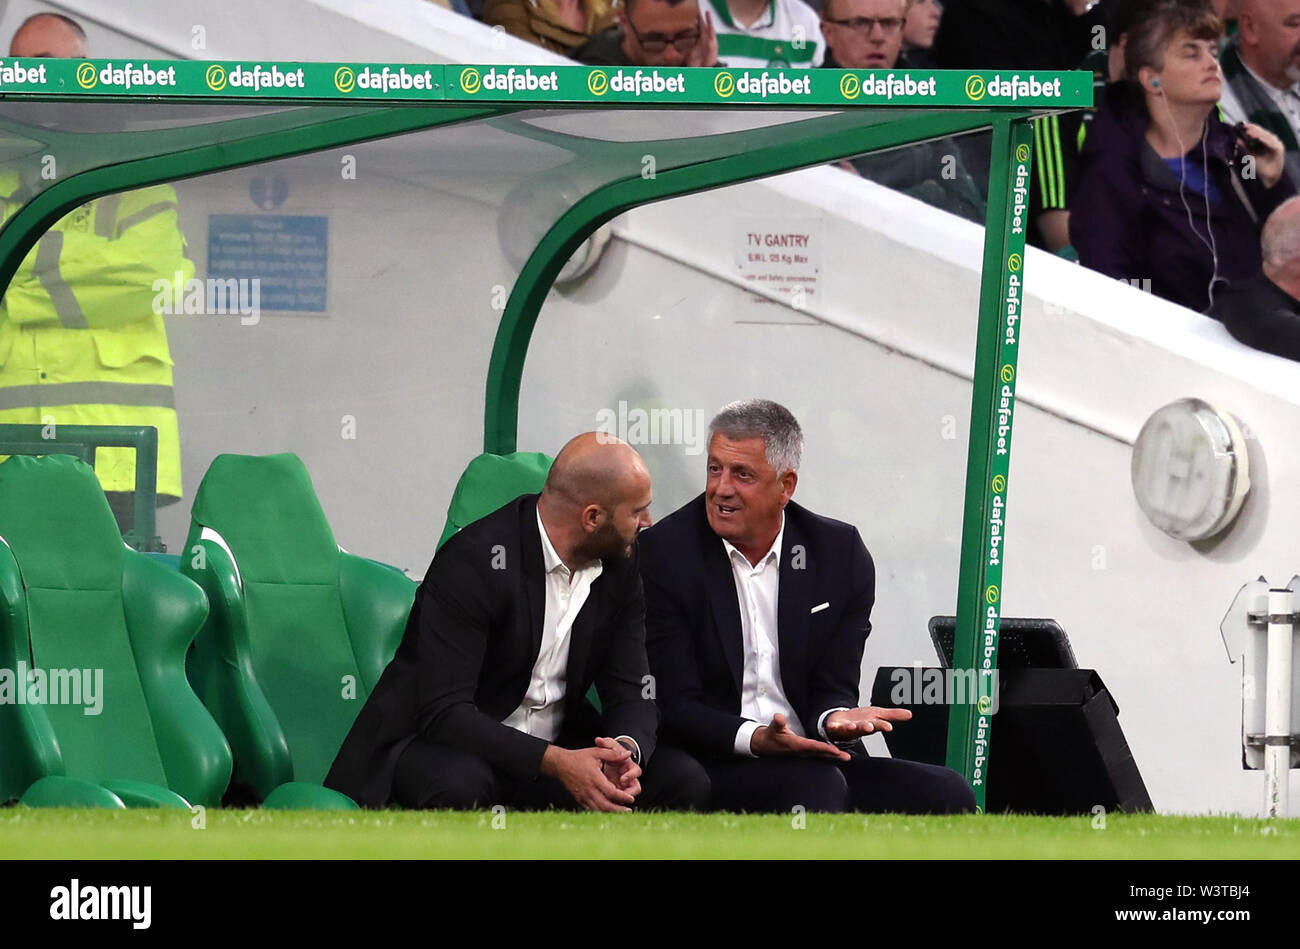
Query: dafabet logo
{"points": [[16, 74], [1011, 89], [762, 84], [512, 80], [127, 76], [634, 83], [887, 86]]}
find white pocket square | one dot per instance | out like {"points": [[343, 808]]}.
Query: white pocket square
{"points": [[819, 608]]}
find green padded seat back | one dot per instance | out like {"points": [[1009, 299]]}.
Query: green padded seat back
{"points": [[491, 481], [56, 520], [266, 511]]}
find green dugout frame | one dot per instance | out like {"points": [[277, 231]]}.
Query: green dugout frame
{"points": [[311, 107]]}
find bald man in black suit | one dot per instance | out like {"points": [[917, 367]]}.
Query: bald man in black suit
{"points": [[520, 612]]}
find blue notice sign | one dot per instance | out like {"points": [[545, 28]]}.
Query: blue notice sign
{"points": [[287, 254]]}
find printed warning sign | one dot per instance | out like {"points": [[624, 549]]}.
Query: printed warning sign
{"points": [[780, 259]]}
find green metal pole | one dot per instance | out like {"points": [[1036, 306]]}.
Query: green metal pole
{"points": [[979, 587], [146, 490]]}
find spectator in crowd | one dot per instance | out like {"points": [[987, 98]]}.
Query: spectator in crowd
{"points": [[654, 33], [868, 34], [1261, 73], [1264, 312], [757, 34], [1026, 35], [81, 341], [1168, 192], [918, 34], [1107, 64], [560, 26]]}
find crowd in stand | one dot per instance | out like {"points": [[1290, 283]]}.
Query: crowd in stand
{"points": [[1182, 180]]}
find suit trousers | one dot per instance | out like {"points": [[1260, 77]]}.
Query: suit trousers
{"points": [[430, 776], [863, 784]]}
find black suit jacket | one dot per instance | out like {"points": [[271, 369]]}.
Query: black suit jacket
{"points": [[693, 632], [468, 652]]}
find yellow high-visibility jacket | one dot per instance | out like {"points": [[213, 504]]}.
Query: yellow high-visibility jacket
{"points": [[80, 341]]}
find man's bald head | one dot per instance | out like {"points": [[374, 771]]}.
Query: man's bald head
{"points": [[49, 35], [1268, 37], [1279, 245], [596, 498], [595, 468]]}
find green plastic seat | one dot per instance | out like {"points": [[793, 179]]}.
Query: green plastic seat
{"points": [[492, 481], [104, 631], [299, 630]]}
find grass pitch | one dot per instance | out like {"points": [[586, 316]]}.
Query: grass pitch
{"points": [[258, 834]]}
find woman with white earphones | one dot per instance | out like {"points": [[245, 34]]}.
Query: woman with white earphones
{"points": [[1169, 196]]}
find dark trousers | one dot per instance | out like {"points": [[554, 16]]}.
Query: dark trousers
{"points": [[863, 784], [432, 776]]}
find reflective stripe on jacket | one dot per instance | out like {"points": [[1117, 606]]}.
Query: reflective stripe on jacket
{"points": [[80, 341]]}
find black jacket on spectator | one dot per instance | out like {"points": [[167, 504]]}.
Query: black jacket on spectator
{"points": [[1013, 34], [603, 49], [1262, 315], [1022, 35], [1128, 220]]}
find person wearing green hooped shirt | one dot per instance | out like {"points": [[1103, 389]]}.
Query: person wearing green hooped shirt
{"points": [[768, 34], [81, 342]]}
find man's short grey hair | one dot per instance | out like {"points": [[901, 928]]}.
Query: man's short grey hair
{"points": [[1279, 243], [765, 419]]}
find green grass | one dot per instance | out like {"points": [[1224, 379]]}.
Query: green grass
{"points": [[240, 834]]}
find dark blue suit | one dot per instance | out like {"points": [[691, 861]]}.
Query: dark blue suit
{"points": [[694, 641]]}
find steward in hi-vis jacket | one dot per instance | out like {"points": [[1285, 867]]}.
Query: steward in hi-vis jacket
{"points": [[80, 341]]}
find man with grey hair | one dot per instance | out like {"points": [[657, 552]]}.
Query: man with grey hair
{"points": [[1264, 312], [757, 612]]}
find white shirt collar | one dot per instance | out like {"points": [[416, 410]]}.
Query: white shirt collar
{"points": [[1271, 89], [550, 559], [774, 551]]}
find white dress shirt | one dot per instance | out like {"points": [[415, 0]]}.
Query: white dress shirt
{"points": [[762, 693], [541, 712]]}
